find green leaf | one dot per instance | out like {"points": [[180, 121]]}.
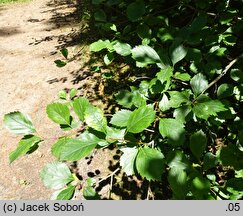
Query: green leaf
{"points": [[173, 129], [237, 75], [135, 10], [100, 16], [108, 58], [150, 163], [75, 149], [225, 90], [89, 193], [56, 175], [182, 76], [80, 105], [200, 186], [62, 94], [231, 156], [25, 145], [198, 142], [178, 182], [138, 99], [18, 123], [140, 119], [64, 52], [209, 161], [194, 55], [208, 108], [183, 113], [124, 98], [60, 63], [122, 49], [57, 147], [145, 54], [177, 98], [164, 76], [121, 118], [100, 45], [127, 160], [73, 93], [67, 193], [59, 113], [177, 159], [164, 104], [114, 134], [144, 31], [198, 83], [177, 53], [94, 118]]}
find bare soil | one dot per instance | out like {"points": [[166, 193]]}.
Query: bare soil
{"points": [[31, 35]]}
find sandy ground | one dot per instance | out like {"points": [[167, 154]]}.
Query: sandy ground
{"points": [[30, 39]]}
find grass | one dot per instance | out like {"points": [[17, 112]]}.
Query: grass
{"points": [[11, 1]]}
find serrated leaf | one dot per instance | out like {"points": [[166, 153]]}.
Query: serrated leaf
{"points": [[209, 161], [135, 10], [108, 58], [225, 90], [173, 129], [18, 123], [73, 93], [80, 105], [183, 113], [164, 104], [178, 182], [66, 194], [201, 185], [177, 159], [127, 160], [150, 163], [140, 119], [145, 55], [60, 63], [164, 76], [177, 98], [64, 52], [182, 76], [121, 118], [75, 149], [177, 53], [100, 45], [24, 146], [59, 113], [114, 134], [94, 118], [208, 108], [62, 94], [56, 175], [198, 142], [122, 49], [198, 83], [124, 98], [138, 99], [89, 193], [57, 146]]}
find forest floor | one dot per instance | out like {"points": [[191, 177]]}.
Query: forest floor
{"points": [[31, 36]]}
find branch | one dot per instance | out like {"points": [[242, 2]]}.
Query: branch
{"points": [[111, 175], [222, 74]]}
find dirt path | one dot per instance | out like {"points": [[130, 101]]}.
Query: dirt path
{"points": [[30, 35]]}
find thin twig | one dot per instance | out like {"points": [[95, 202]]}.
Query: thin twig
{"points": [[112, 174], [222, 74]]}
